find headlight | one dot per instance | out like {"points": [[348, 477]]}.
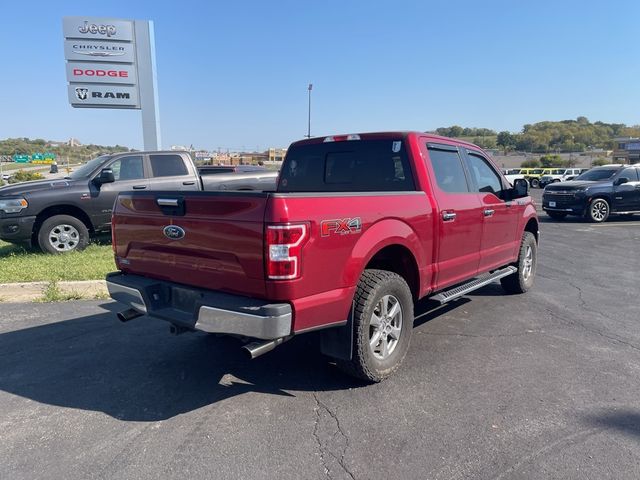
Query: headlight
{"points": [[13, 205]]}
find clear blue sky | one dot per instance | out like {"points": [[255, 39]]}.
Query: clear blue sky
{"points": [[234, 74]]}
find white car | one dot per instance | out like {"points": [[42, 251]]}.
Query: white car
{"points": [[513, 174], [6, 176]]}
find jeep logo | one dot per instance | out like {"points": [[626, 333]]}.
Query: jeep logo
{"points": [[94, 29], [173, 232]]}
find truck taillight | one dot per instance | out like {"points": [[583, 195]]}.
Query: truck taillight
{"points": [[284, 250]]}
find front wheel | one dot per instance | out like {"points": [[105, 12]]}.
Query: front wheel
{"points": [[382, 323], [63, 234], [598, 210], [535, 183], [522, 280]]}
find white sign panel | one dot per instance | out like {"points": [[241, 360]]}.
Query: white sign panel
{"points": [[118, 73], [111, 63], [99, 51], [92, 28], [105, 96]]}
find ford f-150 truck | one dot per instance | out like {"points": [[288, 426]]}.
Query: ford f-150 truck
{"points": [[60, 215], [359, 227]]}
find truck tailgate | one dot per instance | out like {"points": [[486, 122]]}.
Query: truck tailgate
{"points": [[215, 240]]}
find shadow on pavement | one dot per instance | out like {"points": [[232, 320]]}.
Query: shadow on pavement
{"points": [[625, 421], [139, 372]]}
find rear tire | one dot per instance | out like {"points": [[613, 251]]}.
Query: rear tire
{"points": [[63, 234], [535, 183], [382, 326], [522, 280], [557, 215], [598, 210]]}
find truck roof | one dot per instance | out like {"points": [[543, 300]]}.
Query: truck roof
{"points": [[381, 136]]}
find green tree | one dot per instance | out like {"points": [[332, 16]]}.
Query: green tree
{"points": [[506, 140], [530, 164]]}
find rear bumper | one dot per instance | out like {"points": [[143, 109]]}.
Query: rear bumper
{"points": [[199, 309]]}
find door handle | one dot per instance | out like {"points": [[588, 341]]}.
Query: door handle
{"points": [[139, 187], [488, 212], [449, 216], [188, 183]]}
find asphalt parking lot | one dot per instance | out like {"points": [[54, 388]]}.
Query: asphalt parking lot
{"points": [[543, 385]]}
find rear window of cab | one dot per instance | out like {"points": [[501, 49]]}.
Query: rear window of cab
{"points": [[347, 166]]}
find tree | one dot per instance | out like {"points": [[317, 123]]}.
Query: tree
{"points": [[551, 161], [506, 140], [530, 164]]}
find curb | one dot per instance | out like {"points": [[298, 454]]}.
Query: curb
{"points": [[31, 291]]}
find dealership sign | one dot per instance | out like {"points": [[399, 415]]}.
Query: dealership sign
{"points": [[100, 55], [110, 63]]}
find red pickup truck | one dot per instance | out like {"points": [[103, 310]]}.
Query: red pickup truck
{"points": [[359, 227]]}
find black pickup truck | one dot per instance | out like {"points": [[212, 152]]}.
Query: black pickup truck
{"points": [[60, 215], [597, 193]]}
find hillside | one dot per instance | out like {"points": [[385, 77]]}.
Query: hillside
{"points": [[549, 136], [62, 150]]}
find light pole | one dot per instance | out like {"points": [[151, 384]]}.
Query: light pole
{"points": [[309, 111]]}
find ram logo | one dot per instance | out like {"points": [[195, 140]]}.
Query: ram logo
{"points": [[341, 226], [173, 232]]}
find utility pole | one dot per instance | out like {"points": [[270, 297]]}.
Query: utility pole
{"points": [[309, 111]]}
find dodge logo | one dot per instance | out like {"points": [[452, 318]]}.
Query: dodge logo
{"points": [[173, 232]]}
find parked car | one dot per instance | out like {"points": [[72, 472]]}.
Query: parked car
{"points": [[359, 227], [6, 176], [597, 193], [60, 215], [551, 175], [514, 174], [532, 175]]}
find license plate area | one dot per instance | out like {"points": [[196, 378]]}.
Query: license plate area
{"points": [[552, 204], [185, 299]]}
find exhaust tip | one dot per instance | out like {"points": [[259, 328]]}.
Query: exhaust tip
{"points": [[256, 349], [129, 314]]}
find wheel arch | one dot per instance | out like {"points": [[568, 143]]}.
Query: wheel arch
{"points": [[533, 227], [53, 210], [390, 245], [398, 259]]}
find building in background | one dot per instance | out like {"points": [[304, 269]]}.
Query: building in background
{"points": [[626, 150], [276, 155]]}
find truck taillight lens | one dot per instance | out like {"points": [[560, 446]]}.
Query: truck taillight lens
{"points": [[284, 250]]}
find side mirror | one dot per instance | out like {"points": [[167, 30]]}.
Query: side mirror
{"points": [[620, 181], [106, 176], [520, 188]]}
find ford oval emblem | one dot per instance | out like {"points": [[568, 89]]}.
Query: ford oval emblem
{"points": [[173, 232]]}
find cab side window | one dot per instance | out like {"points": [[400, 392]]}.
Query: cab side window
{"points": [[167, 165], [128, 168], [485, 178], [630, 173], [448, 170]]}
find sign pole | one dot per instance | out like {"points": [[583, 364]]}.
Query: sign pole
{"points": [[148, 84]]}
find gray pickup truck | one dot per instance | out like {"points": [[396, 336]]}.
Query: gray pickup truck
{"points": [[61, 215]]}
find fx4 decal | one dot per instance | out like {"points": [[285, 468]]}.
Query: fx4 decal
{"points": [[343, 226]]}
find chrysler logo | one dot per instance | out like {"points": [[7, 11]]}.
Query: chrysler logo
{"points": [[173, 232]]}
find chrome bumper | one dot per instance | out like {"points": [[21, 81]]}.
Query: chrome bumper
{"points": [[198, 309]]}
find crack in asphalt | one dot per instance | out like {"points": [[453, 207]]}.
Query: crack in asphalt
{"points": [[473, 335], [323, 446], [594, 331]]}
